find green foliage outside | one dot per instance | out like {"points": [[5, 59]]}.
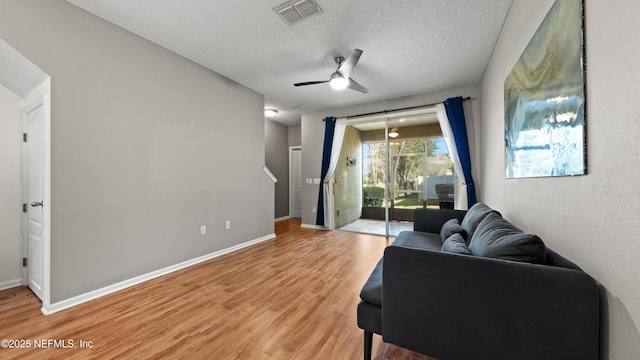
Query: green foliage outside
{"points": [[408, 169], [372, 196], [408, 202]]}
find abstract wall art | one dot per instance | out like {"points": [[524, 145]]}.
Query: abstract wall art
{"points": [[545, 102]]}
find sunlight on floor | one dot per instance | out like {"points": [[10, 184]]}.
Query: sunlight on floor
{"points": [[377, 227]]}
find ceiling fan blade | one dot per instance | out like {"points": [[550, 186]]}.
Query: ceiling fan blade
{"points": [[348, 65], [310, 83], [355, 86]]}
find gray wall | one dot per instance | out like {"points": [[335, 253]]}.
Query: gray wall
{"points": [[313, 135], [146, 147], [592, 219], [294, 135], [277, 160], [10, 187]]}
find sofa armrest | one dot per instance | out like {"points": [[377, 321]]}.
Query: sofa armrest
{"points": [[431, 220], [462, 307]]}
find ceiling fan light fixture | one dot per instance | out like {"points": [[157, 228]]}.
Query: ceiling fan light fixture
{"points": [[394, 133], [341, 78], [338, 82], [270, 112]]}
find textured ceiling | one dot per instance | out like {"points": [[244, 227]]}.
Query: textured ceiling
{"points": [[410, 46], [17, 73]]}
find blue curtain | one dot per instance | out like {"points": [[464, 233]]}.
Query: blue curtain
{"points": [[329, 129], [455, 113]]}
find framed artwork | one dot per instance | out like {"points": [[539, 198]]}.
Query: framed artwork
{"points": [[544, 95]]}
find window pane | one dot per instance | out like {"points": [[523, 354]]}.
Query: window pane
{"points": [[373, 174], [421, 174], [440, 177], [408, 178]]}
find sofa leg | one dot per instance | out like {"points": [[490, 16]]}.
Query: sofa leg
{"points": [[368, 342]]}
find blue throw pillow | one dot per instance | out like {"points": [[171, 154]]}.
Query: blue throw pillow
{"points": [[455, 244], [497, 238], [449, 228], [474, 216]]}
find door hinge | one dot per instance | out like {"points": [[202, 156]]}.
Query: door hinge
{"points": [[24, 208], [24, 262], [24, 137]]}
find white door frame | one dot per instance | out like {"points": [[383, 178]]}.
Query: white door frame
{"points": [[41, 95], [292, 190]]}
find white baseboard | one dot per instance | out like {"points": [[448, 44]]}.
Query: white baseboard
{"points": [[318, 227], [79, 299], [283, 218], [10, 284]]}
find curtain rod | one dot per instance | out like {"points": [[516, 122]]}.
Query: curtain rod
{"points": [[396, 110]]}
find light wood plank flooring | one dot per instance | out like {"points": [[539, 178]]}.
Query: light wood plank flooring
{"points": [[293, 297]]}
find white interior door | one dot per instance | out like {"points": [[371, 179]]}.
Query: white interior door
{"points": [[296, 183], [34, 121]]}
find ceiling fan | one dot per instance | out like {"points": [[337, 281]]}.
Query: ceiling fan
{"points": [[341, 79]]}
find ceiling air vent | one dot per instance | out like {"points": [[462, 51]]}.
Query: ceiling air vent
{"points": [[294, 11]]}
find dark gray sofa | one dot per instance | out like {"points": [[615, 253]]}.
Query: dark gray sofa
{"points": [[510, 298]]}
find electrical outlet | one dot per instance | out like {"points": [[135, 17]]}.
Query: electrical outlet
{"points": [[227, 224], [203, 229], [313, 209]]}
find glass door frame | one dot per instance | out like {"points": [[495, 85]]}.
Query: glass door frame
{"points": [[387, 118]]}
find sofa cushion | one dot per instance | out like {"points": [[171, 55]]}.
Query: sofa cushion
{"points": [[455, 244], [418, 240], [372, 290], [474, 216], [451, 227], [497, 238]]}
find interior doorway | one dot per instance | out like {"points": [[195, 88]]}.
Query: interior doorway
{"points": [[32, 165], [32, 87], [404, 164], [295, 181]]}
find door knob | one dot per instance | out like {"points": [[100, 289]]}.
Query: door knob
{"points": [[36, 203]]}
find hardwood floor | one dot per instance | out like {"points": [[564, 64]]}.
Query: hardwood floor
{"points": [[293, 297]]}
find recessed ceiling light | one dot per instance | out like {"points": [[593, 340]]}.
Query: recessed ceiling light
{"points": [[270, 112]]}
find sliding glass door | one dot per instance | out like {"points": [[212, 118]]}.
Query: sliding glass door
{"points": [[374, 216], [405, 165]]}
